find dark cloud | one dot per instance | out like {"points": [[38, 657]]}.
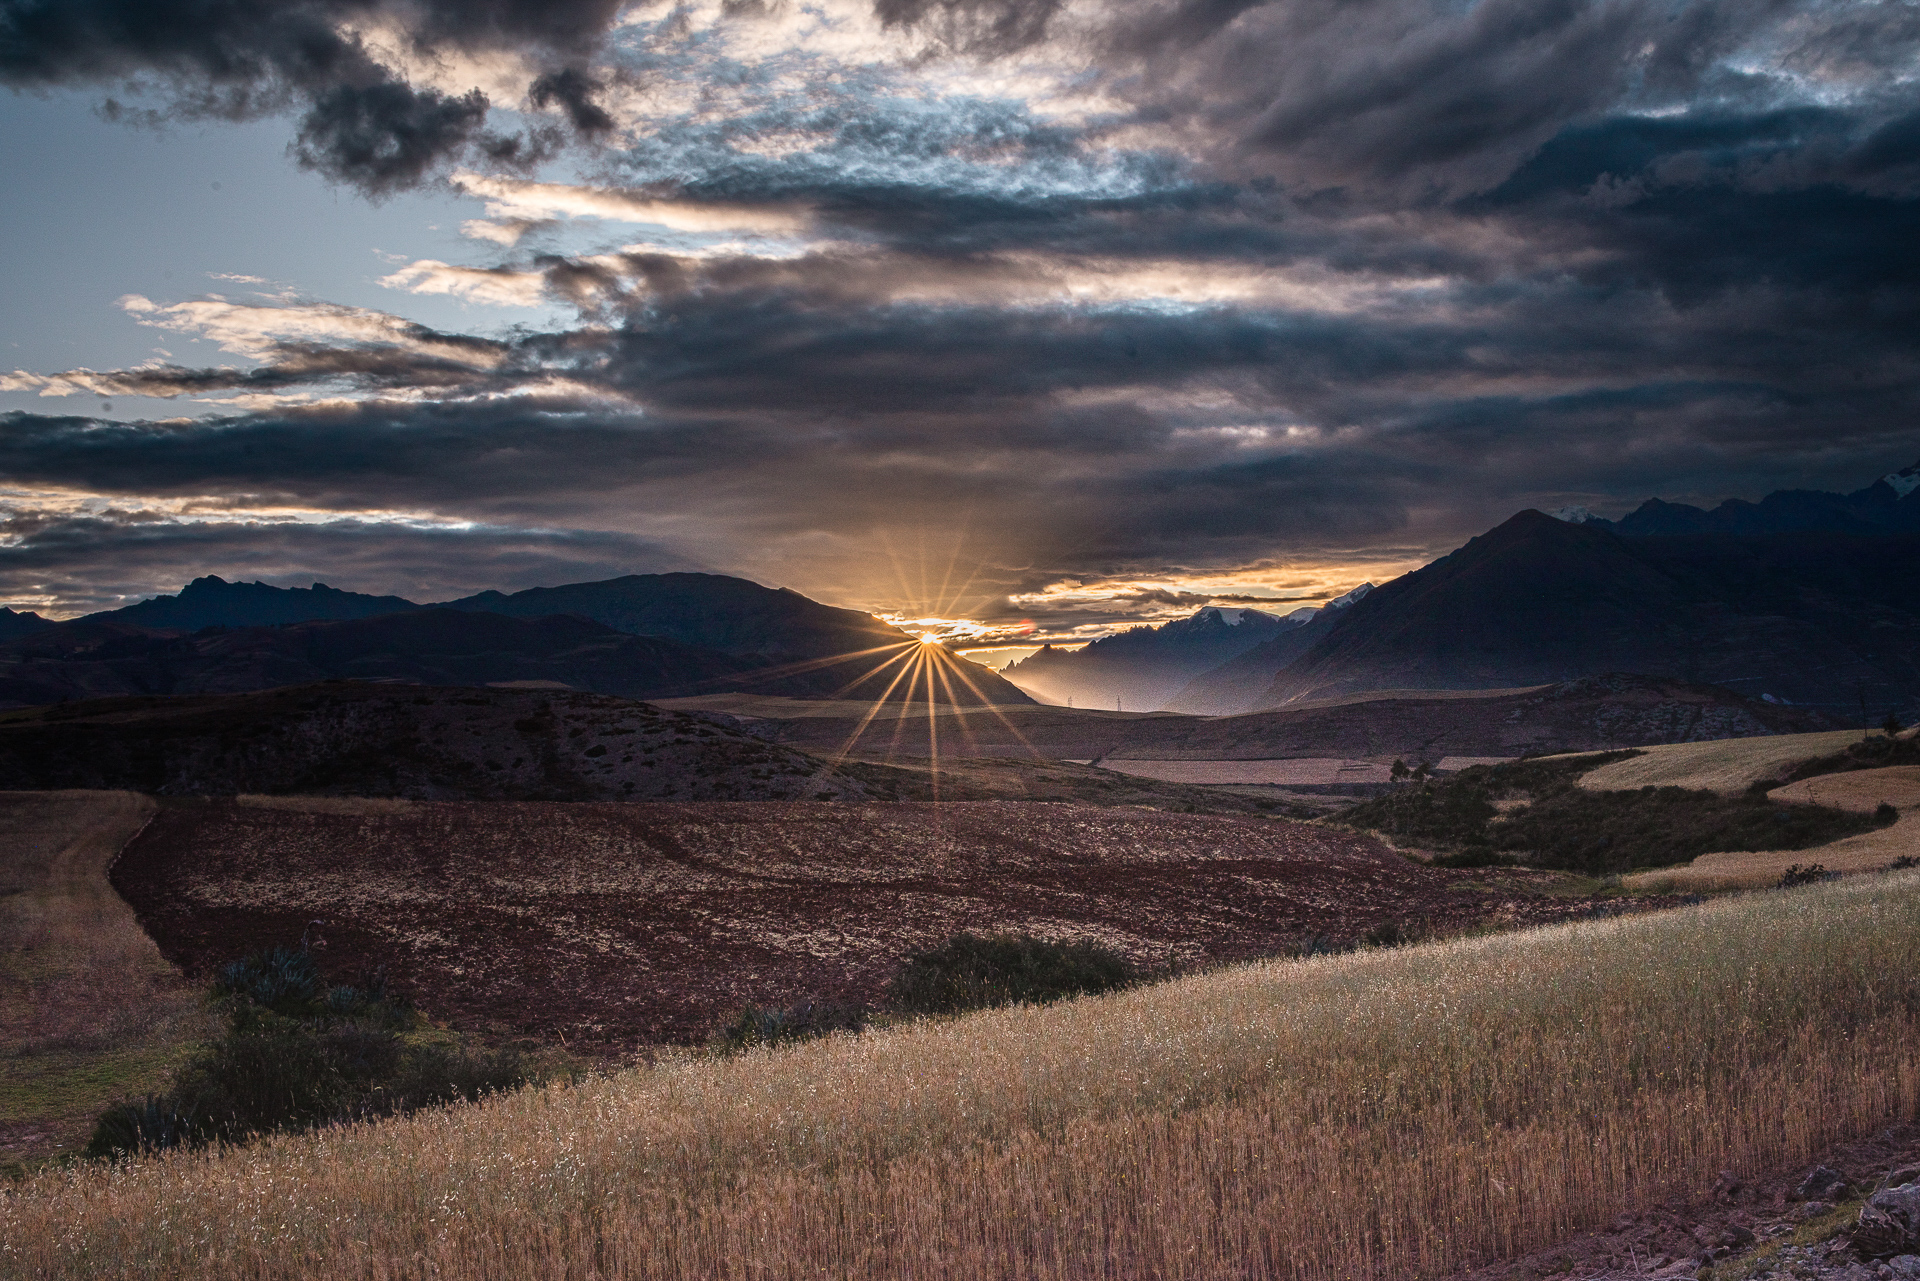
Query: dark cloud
{"points": [[363, 123], [1353, 281], [109, 558]]}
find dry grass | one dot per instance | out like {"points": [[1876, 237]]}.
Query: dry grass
{"points": [[1728, 766], [89, 1010], [1862, 791], [1384, 1114], [1747, 870]]}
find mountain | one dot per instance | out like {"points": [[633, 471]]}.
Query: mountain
{"points": [[1229, 689], [796, 645], [1814, 617], [1144, 666], [432, 744], [214, 602], [14, 625], [838, 649], [1889, 505]]}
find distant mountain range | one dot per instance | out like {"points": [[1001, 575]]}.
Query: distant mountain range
{"points": [[642, 636], [1889, 505], [1803, 597], [1146, 665]]}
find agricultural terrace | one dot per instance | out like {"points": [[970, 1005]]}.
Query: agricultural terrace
{"points": [[1728, 765], [1383, 1114]]}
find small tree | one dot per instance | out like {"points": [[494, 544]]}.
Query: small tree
{"points": [[1399, 771], [1423, 773], [1892, 724]]}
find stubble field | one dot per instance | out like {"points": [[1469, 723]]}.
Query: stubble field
{"points": [[621, 924]]}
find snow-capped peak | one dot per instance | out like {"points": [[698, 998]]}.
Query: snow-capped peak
{"points": [[1573, 515], [1341, 602], [1304, 614], [1904, 482]]}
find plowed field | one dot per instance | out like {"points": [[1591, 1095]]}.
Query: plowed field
{"points": [[621, 924]]}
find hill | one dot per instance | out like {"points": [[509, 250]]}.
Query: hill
{"points": [[424, 647], [351, 739], [1814, 618]]}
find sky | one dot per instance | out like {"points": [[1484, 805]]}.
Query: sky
{"points": [[1017, 320]]}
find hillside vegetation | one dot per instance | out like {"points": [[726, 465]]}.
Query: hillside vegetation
{"points": [[1538, 812], [1386, 1114]]}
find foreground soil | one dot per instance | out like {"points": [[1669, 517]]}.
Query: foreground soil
{"points": [[1747, 1226], [623, 924]]}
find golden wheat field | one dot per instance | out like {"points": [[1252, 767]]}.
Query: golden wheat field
{"points": [[1727, 765], [1746, 870], [1395, 1113]]}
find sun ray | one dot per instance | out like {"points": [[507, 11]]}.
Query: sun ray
{"points": [[994, 709], [942, 662], [872, 711], [906, 701]]}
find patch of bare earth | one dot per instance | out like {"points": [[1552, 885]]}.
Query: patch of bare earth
{"points": [[622, 924]]}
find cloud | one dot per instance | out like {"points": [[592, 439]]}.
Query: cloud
{"points": [[522, 200], [343, 63], [1147, 305]]}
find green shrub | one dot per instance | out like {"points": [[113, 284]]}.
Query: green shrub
{"points": [[1561, 825], [1886, 815], [976, 972], [1796, 875], [146, 1125], [297, 1054], [758, 1025], [282, 979]]}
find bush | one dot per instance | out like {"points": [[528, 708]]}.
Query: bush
{"points": [[1564, 826], [148, 1125], [297, 1054], [977, 972], [1886, 815], [1903, 862], [756, 1025], [1812, 874], [282, 979]]}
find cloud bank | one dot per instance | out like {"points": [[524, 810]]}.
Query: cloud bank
{"points": [[1086, 311]]}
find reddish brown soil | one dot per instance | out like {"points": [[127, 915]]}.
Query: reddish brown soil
{"points": [[621, 924]]}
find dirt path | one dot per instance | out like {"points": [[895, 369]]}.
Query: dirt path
{"points": [[89, 1009]]}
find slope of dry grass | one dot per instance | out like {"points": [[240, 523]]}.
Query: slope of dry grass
{"points": [[1862, 791], [1385, 1114], [88, 1008], [1728, 766]]}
